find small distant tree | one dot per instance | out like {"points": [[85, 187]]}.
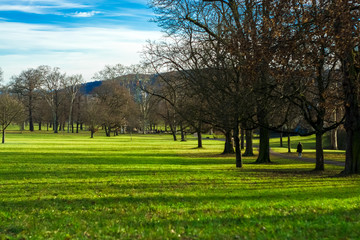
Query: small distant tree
{"points": [[93, 116], [11, 110]]}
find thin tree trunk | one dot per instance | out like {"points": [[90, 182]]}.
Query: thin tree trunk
{"points": [[289, 144], [249, 144], [264, 148], [319, 153], [39, 126], [333, 133], [3, 136], [281, 139], [182, 132], [242, 139], [237, 147]]}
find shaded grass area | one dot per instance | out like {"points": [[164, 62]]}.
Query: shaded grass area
{"points": [[149, 187]]}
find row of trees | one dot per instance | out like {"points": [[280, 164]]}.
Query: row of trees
{"points": [[264, 64], [114, 102]]}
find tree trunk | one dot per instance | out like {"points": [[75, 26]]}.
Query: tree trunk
{"points": [[182, 132], [173, 132], [92, 134], [31, 122], [107, 131], [237, 147], [319, 153], [264, 148], [242, 141], [333, 134], [39, 126], [352, 114], [249, 144], [228, 143], [3, 136], [281, 139], [70, 116], [199, 138], [55, 124], [289, 144], [47, 126]]}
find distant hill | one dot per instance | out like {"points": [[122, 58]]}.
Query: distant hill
{"points": [[130, 81]]}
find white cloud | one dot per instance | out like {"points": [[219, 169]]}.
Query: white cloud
{"points": [[74, 50], [85, 14], [41, 7]]}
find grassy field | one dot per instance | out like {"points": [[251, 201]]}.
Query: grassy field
{"points": [[308, 143], [68, 186]]}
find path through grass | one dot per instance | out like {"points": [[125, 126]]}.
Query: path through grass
{"points": [[149, 187]]}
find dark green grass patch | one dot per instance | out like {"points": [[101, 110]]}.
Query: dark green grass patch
{"points": [[149, 187]]}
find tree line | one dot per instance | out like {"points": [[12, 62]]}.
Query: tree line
{"points": [[271, 65], [291, 67]]}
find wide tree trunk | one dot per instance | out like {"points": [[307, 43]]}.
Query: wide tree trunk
{"points": [[31, 122], [237, 147], [228, 143], [352, 114], [264, 148], [55, 124], [319, 153], [249, 144], [199, 138], [92, 134]]}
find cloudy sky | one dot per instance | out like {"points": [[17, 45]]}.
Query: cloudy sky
{"points": [[79, 36]]}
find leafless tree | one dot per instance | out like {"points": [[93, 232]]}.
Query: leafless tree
{"points": [[26, 85], [72, 86], [11, 110]]}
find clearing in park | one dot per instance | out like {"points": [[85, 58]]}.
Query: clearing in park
{"points": [[148, 187]]}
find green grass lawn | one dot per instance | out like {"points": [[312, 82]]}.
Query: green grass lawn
{"points": [[68, 186]]}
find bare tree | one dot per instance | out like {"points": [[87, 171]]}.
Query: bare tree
{"points": [[52, 91], [26, 85], [11, 110], [72, 86]]}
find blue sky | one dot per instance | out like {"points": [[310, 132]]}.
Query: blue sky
{"points": [[79, 36]]}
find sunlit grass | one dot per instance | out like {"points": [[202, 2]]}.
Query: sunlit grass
{"points": [[68, 186], [308, 143]]}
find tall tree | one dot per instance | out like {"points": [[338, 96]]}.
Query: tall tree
{"points": [[26, 85], [72, 86], [52, 86], [344, 17]]}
